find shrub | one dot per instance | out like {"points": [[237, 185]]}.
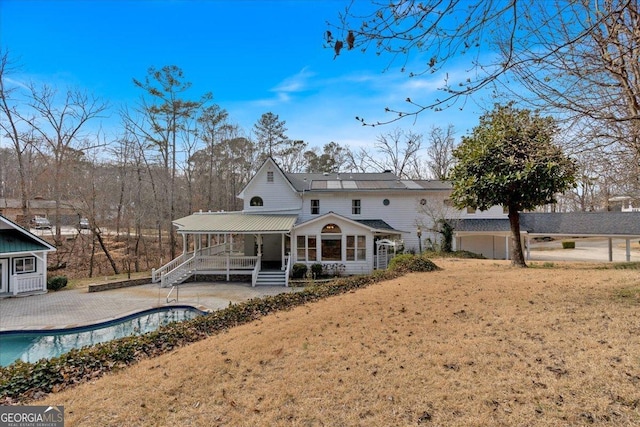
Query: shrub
{"points": [[407, 263], [298, 271], [316, 270], [568, 244], [56, 283]]}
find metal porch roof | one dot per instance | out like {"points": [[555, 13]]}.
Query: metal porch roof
{"points": [[235, 222]]}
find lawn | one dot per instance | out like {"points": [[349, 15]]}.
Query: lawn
{"points": [[478, 343]]}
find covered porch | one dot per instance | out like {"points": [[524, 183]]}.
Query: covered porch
{"points": [[231, 243]]}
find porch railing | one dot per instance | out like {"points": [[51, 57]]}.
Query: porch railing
{"points": [[214, 264], [156, 274], [287, 270], [31, 283], [256, 271]]}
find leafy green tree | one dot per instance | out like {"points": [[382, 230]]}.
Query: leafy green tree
{"points": [[510, 160]]}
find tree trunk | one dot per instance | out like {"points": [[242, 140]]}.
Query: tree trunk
{"points": [[106, 251], [517, 255]]}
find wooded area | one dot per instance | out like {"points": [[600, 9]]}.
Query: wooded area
{"points": [[176, 153]]}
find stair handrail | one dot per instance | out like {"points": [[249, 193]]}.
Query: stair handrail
{"points": [[177, 294], [256, 271], [167, 278], [287, 270], [156, 274]]}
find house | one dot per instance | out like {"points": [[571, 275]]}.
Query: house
{"points": [[348, 222], [351, 223], [23, 260]]}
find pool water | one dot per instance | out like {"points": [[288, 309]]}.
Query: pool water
{"points": [[31, 346]]}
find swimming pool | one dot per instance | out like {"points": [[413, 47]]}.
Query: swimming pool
{"points": [[33, 345]]}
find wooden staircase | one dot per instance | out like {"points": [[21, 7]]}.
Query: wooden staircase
{"points": [[271, 278]]}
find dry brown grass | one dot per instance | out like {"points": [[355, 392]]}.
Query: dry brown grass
{"points": [[476, 344]]}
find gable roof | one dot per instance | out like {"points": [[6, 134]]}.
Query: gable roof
{"points": [[14, 239], [267, 161], [235, 222], [374, 225]]}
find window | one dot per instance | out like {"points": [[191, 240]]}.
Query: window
{"points": [[331, 248], [331, 228], [306, 250], [448, 203], [315, 206], [269, 176], [24, 265], [471, 210], [356, 248], [355, 207], [331, 243], [505, 209], [256, 201]]}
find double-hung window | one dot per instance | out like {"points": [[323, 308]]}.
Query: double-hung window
{"points": [[356, 248], [315, 206], [24, 265], [306, 248], [355, 207]]}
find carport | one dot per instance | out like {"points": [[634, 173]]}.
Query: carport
{"points": [[609, 225]]}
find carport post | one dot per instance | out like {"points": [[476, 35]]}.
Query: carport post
{"points": [[628, 247]]}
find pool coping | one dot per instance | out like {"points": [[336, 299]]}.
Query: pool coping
{"points": [[75, 327]]}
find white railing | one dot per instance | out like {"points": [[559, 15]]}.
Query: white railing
{"points": [[287, 270], [217, 264], [156, 275], [31, 283], [256, 271]]}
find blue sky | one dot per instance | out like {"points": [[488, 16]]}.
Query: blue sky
{"points": [[254, 56]]}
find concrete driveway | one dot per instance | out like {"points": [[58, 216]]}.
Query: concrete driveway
{"points": [[591, 249], [76, 307]]}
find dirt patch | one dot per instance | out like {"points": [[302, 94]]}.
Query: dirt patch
{"points": [[478, 343]]}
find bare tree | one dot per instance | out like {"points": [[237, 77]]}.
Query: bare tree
{"points": [[530, 40], [10, 127], [60, 121], [439, 153], [396, 151]]}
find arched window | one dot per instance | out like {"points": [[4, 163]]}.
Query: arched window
{"points": [[331, 228], [256, 201]]}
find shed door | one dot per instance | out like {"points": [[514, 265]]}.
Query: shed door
{"points": [[4, 275]]}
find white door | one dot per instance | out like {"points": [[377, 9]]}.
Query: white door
{"points": [[4, 275]]}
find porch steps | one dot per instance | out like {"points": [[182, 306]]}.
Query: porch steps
{"points": [[181, 278], [271, 278]]}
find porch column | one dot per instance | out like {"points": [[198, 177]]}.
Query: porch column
{"points": [[184, 244], [628, 249], [528, 245], [610, 249]]}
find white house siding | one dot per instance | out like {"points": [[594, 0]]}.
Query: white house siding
{"points": [[403, 212], [278, 196], [347, 228]]}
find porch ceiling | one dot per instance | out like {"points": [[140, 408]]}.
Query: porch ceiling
{"points": [[235, 222]]}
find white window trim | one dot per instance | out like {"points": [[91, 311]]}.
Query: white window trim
{"points": [[23, 259]]}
